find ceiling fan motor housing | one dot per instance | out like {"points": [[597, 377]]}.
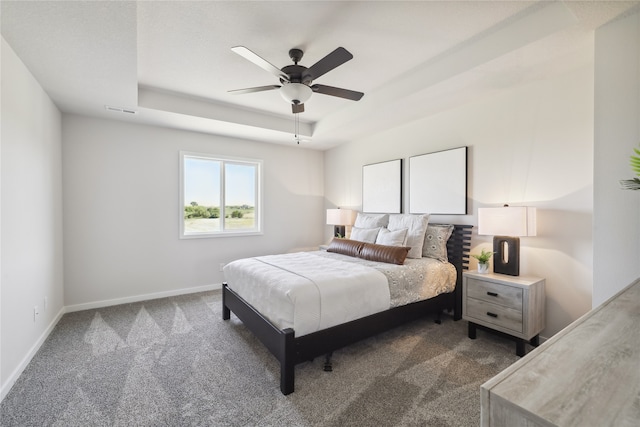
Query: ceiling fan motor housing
{"points": [[297, 74], [297, 90]]}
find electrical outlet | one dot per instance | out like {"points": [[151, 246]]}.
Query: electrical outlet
{"points": [[221, 266], [36, 311]]}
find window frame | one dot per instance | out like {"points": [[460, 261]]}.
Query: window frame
{"points": [[257, 163]]}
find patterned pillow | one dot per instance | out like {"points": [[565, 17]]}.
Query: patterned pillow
{"points": [[417, 225], [364, 234], [435, 241]]}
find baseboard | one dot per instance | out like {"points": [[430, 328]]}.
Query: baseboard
{"points": [[6, 387], [138, 298]]}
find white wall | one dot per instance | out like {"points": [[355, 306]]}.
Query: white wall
{"points": [[617, 132], [121, 203], [31, 211], [533, 146]]}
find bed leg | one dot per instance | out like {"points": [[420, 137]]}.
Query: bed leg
{"points": [[328, 366], [438, 319], [226, 313], [287, 363], [286, 378]]}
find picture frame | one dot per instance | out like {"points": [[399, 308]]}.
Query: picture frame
{"points": [[382, 187], [438, 182]]}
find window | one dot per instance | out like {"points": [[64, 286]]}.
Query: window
{"points": [[219, 196]]}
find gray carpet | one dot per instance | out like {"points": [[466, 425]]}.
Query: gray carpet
{"points": [[174, 362]]}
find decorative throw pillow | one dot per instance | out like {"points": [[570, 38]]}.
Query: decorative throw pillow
{"points": [[382, 253], [369, 251], [371, 220], [417, 226], [435, 241], [391, 238], [364, 234], [345, 247]]}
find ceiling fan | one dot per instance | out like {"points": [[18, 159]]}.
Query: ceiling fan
{"points": [[296, 80]]}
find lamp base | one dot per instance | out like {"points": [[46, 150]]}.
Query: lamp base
{"points": [[339, 231], [506, 259]]}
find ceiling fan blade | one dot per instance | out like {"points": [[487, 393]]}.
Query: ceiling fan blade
{"points": [[260, 62], [297, 108], [329, 62], [339, 92], [253, 89]]}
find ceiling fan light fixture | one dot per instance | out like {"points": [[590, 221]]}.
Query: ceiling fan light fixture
{"points": [[295, 93]]}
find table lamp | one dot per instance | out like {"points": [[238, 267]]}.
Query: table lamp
{"points": [[340, 218], [507, 224]]}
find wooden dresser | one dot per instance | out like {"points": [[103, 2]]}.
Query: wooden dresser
{"points": [[586, 375]]}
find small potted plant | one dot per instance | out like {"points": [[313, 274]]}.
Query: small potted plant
{"points": [[634, 183], [483, 261]]}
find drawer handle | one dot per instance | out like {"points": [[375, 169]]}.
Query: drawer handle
{"points": [[491, 314], [493, 294]]}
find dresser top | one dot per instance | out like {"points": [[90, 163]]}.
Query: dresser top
{"points": [[587, 374]]}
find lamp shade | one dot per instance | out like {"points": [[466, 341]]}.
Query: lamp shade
{"points": [[340, 217], [295, 92], [517, 221]]}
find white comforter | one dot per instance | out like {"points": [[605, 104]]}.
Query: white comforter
{"points": [[308, 293]]}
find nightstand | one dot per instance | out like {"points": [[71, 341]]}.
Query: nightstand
{"points": [[511, 305]]}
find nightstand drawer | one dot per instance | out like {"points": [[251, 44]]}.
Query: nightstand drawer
{"points": [[495, 293], [484, 312]]}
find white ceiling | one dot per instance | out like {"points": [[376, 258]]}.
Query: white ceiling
{"points": [[171, 61]]}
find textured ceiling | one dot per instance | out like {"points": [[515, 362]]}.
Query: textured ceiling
{"points": [[172, 63]]}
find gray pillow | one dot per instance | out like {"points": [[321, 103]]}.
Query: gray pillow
{"points": [[368, 235], [392, 238], [417, 226], [371, 220]]}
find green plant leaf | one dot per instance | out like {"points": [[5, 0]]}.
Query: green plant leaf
{"points": [[630, 184], [635, 162], [635, 165], [483, 257]]}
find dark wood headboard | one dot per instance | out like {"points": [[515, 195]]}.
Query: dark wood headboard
{"points": [[458, 248], [459, 245]]}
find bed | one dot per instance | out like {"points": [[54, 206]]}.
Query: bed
{"points": [[278, 333]]}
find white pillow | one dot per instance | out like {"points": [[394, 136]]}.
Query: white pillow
{"points": [[371, 220], [364, 234], [391, 238], [417, 225]]}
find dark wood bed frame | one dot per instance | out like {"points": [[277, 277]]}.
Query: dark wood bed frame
{"points": [[290, 350]]}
